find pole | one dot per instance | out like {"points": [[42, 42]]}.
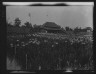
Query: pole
{"points": [[15, 49], [26, 61], [59, 65], [30, 17], [15, 52], [47, 17]]}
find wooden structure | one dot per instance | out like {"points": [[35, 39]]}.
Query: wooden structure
{"points": [[51, 27]]}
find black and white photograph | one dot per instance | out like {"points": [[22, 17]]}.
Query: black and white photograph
{"points": [[50, 37]]}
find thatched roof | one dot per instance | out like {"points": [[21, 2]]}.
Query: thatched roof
{"points": [[88, 28], [51, 25]]}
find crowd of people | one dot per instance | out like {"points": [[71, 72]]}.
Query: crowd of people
{"points": [[51, 52]]}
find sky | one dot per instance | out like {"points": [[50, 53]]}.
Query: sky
{"points": [[72, 16]]}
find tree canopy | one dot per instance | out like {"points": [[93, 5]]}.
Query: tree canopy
{"points": [[17, 22]]}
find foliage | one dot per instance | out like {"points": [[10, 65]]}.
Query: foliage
{"points": [[28, 25], [17, 22], [37, 28]]}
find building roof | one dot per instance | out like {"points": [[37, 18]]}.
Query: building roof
{"points": [[89, 28], [51, 25], [47, 28]]}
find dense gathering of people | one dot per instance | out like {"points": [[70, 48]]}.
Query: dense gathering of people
{"points": [[49, 47], [51, 51]]}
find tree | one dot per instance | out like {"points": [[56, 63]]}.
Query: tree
{"points": [[37, 28], [71, 29], [28, 25], [34, 25], [67, 28], [9, 24], [17, 22], [76, 30]]}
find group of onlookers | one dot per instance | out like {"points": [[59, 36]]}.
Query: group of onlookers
{"points": [[45, 52]]}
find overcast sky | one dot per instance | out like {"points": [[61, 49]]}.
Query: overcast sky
{"points": [[72, 16]]}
